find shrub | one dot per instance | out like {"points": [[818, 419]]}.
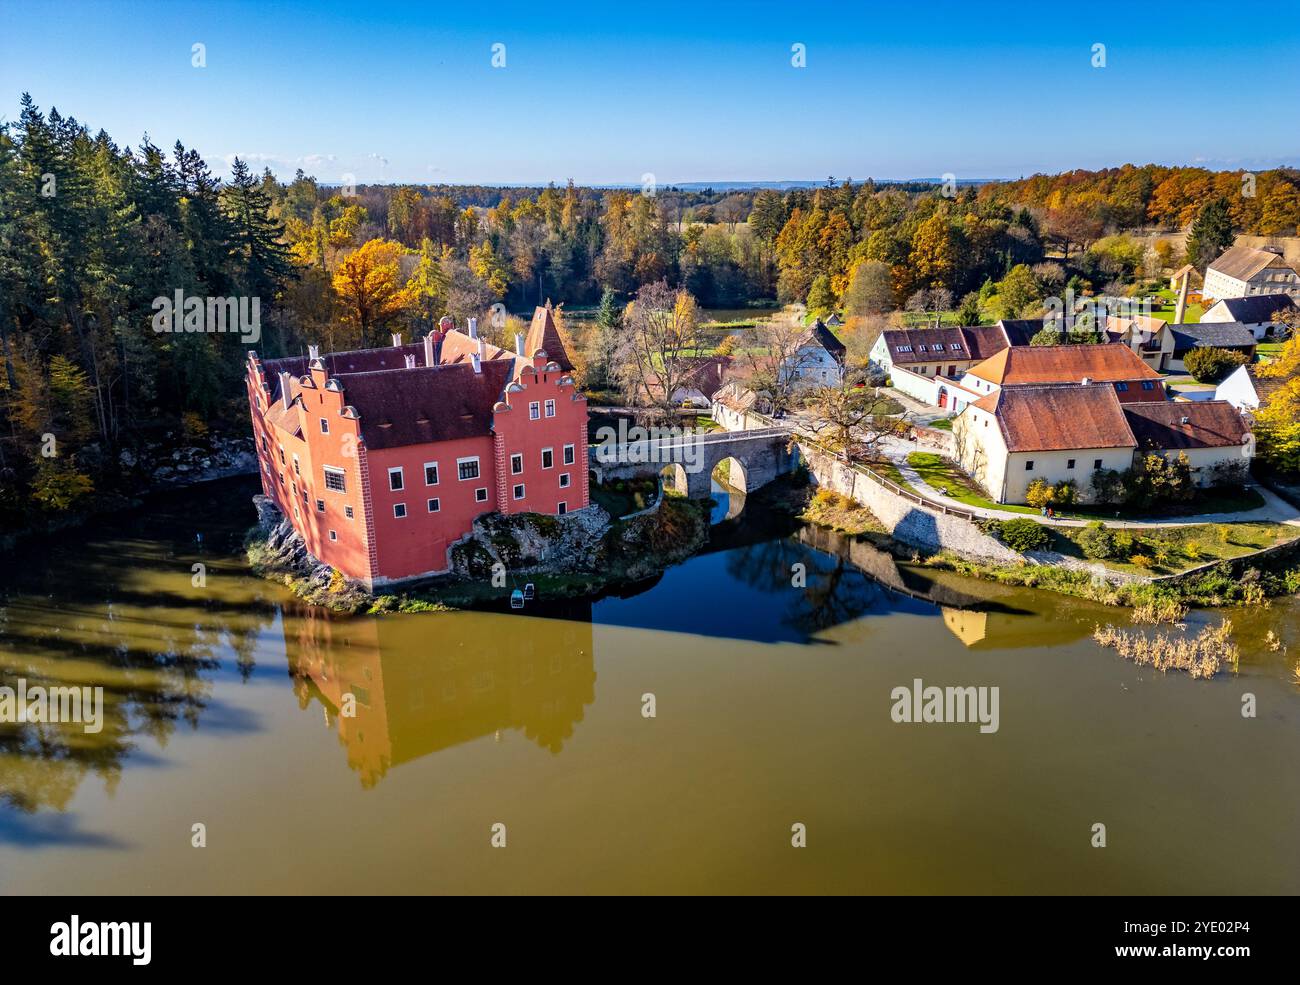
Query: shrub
{"points": [[1209, 365], [1107, 486], [1023, 534], [1143, 561], [1039, 494], [1066, 493], [1097, 542]]}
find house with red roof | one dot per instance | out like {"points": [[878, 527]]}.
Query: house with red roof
{"points": [[383, 458], [1067, 432]]}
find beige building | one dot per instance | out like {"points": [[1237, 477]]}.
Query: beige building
{"points": [[1015, 435], [1244, 271]]}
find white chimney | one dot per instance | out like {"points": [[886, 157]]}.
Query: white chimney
{"points": [[397, 339], [482, 350], [284, 389], [477, 362], [410, 361], [313, 352], [428, 349], [519, 343], [473, 328]]}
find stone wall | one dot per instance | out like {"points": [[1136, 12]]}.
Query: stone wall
{"points": [[906, 521]]}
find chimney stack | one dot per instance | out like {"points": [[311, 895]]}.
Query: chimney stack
{"points": [[397, 340], [313, 352], [428, 349], [284, 389], [473, 328], [478, 364], [1181, 308], [482, 350], [519, 344]]}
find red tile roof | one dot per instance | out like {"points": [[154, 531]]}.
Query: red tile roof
{"points": [[1021, 365], [542, 334], [972, 342], [1186, 424], [1059, 418]]}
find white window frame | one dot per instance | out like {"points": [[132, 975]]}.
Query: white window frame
{"points": [[518, 492], [324, 426], [570, 455], [550, 408], [535, 410], [517, 457], [478, 471], [342, 476], [481, 494], [401, 479], [552, 454], [434, 504], [565, 479], [562, 508], [436, 474], [402, 507], [334, 535]]}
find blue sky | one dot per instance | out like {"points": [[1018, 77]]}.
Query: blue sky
{"points": [[607, 92]]}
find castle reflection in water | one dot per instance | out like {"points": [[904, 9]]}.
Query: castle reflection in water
{"points": [[418, 689]]}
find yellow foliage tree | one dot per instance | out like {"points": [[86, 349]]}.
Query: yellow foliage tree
{"points": [[371, 290]]}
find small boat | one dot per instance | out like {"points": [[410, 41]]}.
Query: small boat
{"points": [[528, 591], [516, 599]]}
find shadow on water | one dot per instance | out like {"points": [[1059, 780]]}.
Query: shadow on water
{"points": [[119, 606]]}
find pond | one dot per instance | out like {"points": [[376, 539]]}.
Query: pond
{"points": [[769, 662]]}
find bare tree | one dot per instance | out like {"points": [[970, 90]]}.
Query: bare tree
{"points": [[651, 359], [776, 359], [854, 417]]}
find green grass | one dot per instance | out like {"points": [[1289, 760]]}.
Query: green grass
{"points": [[940, 424], [1180, 548]]}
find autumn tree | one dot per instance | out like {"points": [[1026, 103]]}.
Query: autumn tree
{"points": [[659, 333], [371, 289]]}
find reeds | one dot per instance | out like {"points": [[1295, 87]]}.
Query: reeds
{"points": [[1200, 656]]}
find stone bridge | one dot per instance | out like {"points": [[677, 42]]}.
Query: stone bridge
{"points": [[762, 455]]}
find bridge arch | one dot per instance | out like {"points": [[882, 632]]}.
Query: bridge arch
{"points": [[674, 478]]}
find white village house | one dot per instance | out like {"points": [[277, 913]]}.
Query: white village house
{"points": [[1245, 389], [1243, 271], [1263, 315], [1017, 434], [928, 363], [818, 360]]}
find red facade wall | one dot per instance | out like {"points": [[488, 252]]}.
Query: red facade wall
{"points": [[375, 545]]}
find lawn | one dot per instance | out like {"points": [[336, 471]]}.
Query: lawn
{"points": [[940, 424], [1173, 549]]}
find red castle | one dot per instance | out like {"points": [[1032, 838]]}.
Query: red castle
{"points": [[383, 458]]}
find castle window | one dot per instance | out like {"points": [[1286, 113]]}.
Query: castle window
{"points": [[519, 491], [324, 426], [516, 464], [430, 473], [320, 506], [296, 469], [434, 505], [550, 408], [480, 495], [335, 479], [564, 480], [568, 455], [282, 462], [399, 510], [534, 410], [562, 508], [333, 535], [467, 468], [347, 512], [548, 458], [395, 479]]}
